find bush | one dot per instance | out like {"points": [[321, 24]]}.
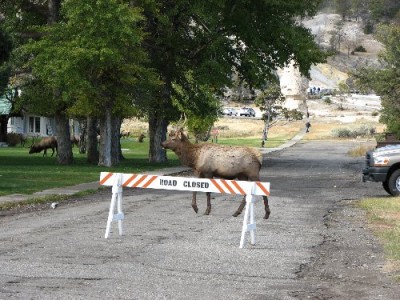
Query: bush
{"points": [[341, 132], [369, 28], [327, 100], [13, 139], [360, 49], [363, 131], [375, 113]]}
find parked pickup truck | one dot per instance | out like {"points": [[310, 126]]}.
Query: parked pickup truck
{"points": [[383, 165]]}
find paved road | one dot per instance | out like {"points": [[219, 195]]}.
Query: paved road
{"points": [[314, 246]]}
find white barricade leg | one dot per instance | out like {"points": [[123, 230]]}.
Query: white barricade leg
{"points": [[249, 223], [116, 200]]}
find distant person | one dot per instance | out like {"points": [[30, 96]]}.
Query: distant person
{"points": [[308, 125]]}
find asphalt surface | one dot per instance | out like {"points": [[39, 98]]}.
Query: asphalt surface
{"points": [[314, 246]]}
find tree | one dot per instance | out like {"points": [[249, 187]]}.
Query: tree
{"points": [[5, 93], [385, 81], [21, 17], [350, 42], [213, 39], [336, 36], [270, 101], [200, 114], [343, 8], [90, 62]]}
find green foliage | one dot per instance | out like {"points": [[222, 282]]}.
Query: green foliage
{"points": [[90, 59], [343, 88], [25, 173], [271, 99], [364, 130], [384, 9], [360, 48], [5, 51], [292, 114], [327, 100], [13, 139], [199, 105], [386, 81], [383, 216], [343, 7], [102, 53], [212, 39], [375, 113], [369, 27]]}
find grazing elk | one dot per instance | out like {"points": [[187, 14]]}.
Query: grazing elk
{"points": [[75, 140], [213, 160], [44, 144]]}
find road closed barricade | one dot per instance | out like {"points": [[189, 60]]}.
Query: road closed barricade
{"points": [[120, 180]]}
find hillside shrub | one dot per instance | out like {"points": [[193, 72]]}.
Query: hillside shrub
{"points": [[341, 133], [327, 100], [360, 49], [361, 131], [369, 28], [375, 113], [13, 139]]}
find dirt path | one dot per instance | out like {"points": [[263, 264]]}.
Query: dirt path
{"points": [[314, 246]]}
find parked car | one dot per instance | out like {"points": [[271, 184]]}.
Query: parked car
{"points": [[383, 165], [229, 111], [247, 112]]}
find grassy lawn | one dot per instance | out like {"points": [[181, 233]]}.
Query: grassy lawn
{"points": [[256, 142], [384, 219], [23, 173]]}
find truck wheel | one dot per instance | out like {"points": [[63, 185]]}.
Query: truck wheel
{"points": [[394, 183], [385, 185]]}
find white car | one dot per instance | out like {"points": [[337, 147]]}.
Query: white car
{"points": [[229, 111], [247, 112]]}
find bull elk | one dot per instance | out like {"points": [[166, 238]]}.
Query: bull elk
{"points": [[213, 160], [44, 144]]}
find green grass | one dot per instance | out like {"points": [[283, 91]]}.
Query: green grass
{"points": [[384, 218], [43, 199], [256, 142], [23, 173]]}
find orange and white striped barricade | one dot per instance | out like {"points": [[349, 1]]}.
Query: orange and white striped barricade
{"points": [[248, 188]]}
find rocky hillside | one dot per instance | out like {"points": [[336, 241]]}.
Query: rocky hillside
{"points": [[330, 31]]}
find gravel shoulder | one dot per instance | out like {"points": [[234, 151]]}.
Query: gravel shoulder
{"points": [[314, 246]]}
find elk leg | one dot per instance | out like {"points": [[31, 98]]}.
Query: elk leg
{"points": [[208, 209], [194, 205], [53, 152], [240, 208], [267, 210]]}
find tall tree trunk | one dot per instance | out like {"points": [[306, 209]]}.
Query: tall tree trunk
{"points": [[158, 125], [65, 156], [109, 139], [3, 128], [91, 141], [82, 136], [54, 11], [116, 152], [105, 139], [157, 131]]}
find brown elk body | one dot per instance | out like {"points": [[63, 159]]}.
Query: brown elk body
{"points": [[44, 144], [75, 140], [212, 160]]}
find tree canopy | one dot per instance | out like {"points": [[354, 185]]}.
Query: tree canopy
{"points": [[99, 56], [385, 81], [211, 40]]}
